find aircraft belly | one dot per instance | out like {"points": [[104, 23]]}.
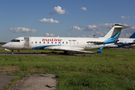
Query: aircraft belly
{"points": [[51, 47]]}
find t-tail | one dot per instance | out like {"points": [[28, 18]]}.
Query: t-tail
{"points": [[113, 35]]}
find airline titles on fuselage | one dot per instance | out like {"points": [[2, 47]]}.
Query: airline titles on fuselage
{"points": [[59, 40]]}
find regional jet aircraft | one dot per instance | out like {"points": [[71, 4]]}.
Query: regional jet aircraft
{"points": [[66, 44], [125, 41]]}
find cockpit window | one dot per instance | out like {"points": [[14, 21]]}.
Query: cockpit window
{"points": [[15, 40]]}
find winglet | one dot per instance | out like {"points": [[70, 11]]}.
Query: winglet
{"points": [[99, 51]]}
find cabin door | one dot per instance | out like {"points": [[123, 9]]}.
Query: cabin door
{"points": [[26, 42]]}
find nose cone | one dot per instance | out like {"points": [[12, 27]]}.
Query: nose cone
{"points": [[4, 46], [7, 45]]}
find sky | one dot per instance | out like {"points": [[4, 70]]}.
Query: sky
{"points": [[64, 18]]}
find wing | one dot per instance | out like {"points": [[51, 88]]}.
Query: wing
{"points": [[76, 50], [67, 48]]}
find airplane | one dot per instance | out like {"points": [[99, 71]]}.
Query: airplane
{"points": [[66, 44], [125, 41]]}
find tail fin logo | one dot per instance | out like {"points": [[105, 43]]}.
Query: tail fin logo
{"points": [[112, 39]]}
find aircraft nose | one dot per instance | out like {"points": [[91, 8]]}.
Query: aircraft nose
{"points": [[3, 46], [7, 45]]}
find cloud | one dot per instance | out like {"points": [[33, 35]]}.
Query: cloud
{"points": [[90, 36], [129, 30], [52, 35], [22, 30], [127, 35], [125, 17], [100, 33], [58, 10], [99, 26], [91, 27], [106, 27], [49, 20], [82, 36], [75, 28], [47, 34], [84, 8]]}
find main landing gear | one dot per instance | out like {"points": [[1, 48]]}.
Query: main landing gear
{"points": [[12, 51]]}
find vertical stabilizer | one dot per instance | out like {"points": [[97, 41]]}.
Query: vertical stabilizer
{"points": [[113, 35], [133, 35], [116, 30]]}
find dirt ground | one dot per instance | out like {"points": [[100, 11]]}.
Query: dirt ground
{"points": [[5, 80], [30, 82]]}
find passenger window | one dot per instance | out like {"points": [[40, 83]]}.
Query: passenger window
{"points": [[66, 42], [63, 42], [52, 42], [44, 42], [55, 42], [48, 42], [36, 42], [40, 42]]}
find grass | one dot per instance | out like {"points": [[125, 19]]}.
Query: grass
{"points": [[94, 81], [110, 70]]}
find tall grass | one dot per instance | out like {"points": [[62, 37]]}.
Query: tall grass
{"points": [[94, 81]]}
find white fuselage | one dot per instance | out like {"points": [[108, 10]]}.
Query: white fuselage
{"points": [[124, 42], [53, 43], [75, 44]]}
